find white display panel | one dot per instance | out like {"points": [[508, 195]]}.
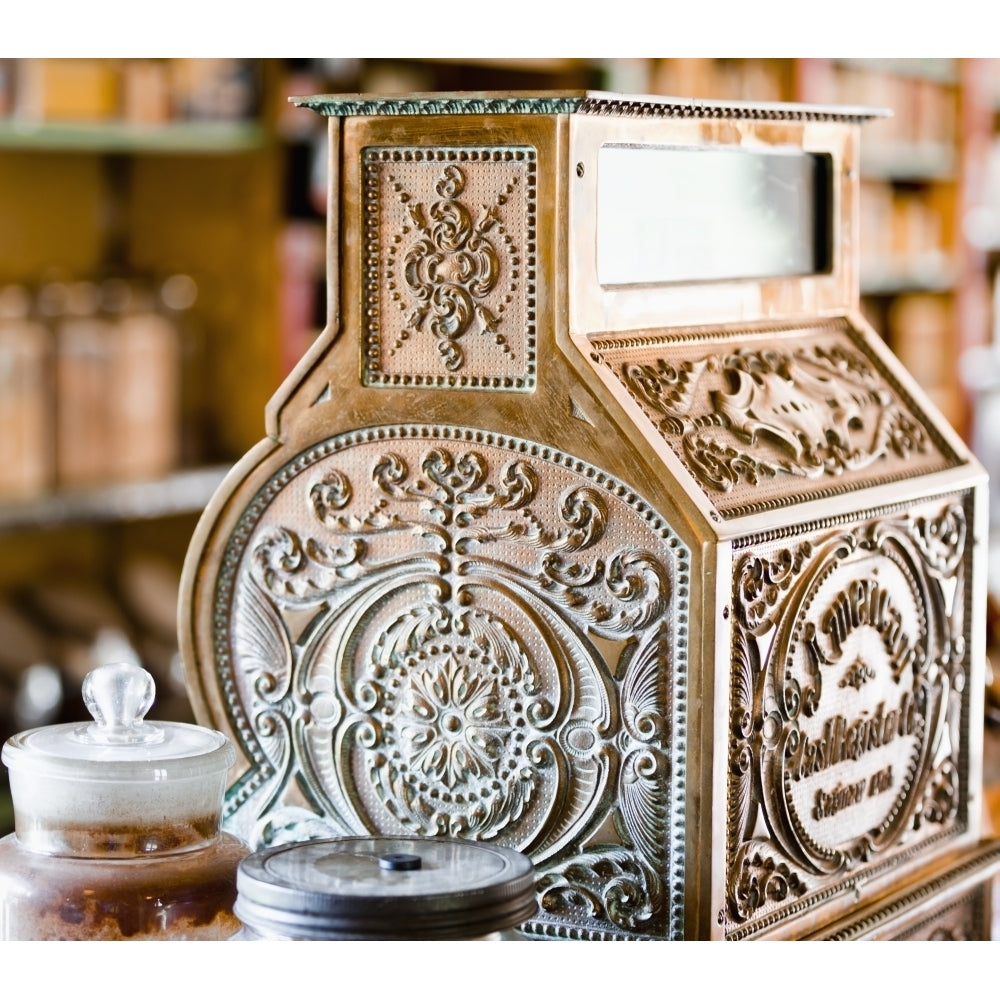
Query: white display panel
{"points": [[674, 214]]}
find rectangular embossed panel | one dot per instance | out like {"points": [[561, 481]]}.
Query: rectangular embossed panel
{"points": [[450, 267], [848, 737]]}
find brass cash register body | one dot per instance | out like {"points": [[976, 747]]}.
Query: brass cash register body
{"points": [[599, 523]]}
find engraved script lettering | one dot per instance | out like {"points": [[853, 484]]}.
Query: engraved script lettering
{"points": [[844, 740], [880, 782], [866, 603], [830, 803]]}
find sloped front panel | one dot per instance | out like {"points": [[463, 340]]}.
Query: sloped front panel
{"points": [[764, 419], [427, 630], [849, 721]]}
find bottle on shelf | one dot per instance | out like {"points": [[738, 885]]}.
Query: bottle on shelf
{"points": [[143, 385], [26, 466], [83, 349]]}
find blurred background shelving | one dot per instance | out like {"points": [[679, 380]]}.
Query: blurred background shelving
{"points": [[162, 267]]}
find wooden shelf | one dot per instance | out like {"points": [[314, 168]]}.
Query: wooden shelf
{"points": [[931, 275], [187, 491], [937, 70], [899, 161], [188, 137]]}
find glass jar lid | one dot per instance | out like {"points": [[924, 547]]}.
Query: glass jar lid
{"points": [[384, 887], [119, 744], [118, 786]]}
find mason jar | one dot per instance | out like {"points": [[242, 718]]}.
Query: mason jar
{"points": [[372, 888]]}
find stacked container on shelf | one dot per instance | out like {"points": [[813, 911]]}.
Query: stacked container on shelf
{"points": [[139, 91], [90, 376]]}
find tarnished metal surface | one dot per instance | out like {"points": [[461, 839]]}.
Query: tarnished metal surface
{"points": [[677, 588], [440, 632], [849, 705], [579, 102], [450, 285]]}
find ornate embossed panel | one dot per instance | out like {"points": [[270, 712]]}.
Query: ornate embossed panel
{"points": [[766, 420], [848, 729], [429, 630], [450, 267]]}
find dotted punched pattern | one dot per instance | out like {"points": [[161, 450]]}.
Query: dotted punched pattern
{"points": [[450, 268]]}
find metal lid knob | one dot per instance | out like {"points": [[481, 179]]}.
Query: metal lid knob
{"points": [[400, 862]]}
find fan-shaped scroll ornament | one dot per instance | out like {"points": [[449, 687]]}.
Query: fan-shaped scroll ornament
{"points": [[433, 631]]}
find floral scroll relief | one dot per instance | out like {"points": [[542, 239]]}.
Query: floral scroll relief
{"points": [[451, 269], [464, 641], [751, 415]]}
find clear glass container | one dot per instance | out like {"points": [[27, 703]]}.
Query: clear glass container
{"points": [[380, 888], [117, 824]]}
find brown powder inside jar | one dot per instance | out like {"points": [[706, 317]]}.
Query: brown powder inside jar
{"points": [[120, 841], [187, 896]]}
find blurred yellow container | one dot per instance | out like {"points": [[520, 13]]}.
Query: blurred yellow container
{"points": [[68, 89]]}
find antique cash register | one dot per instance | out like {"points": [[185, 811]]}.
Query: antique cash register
{"points": [[598, 523]]}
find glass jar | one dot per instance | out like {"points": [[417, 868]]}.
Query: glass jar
{"points": [[377, 888], [117, 824]]}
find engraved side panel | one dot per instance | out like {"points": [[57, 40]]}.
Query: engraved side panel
{"points": [[962, 920], [449, 288], [768, 419], [954, 902], [848, 731], [427, 630]]}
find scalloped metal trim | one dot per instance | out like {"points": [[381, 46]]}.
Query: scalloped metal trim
{"points": [[642, 107], [586, 103], [334, 106]]}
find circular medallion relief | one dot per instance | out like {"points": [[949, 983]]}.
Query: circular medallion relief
{"points": [[443, 631], [856, 703]]}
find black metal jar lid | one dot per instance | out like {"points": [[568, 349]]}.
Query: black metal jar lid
{"points": [[384, 888]]}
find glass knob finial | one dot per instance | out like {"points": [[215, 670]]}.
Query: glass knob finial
{"points": [[118, 696]]}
